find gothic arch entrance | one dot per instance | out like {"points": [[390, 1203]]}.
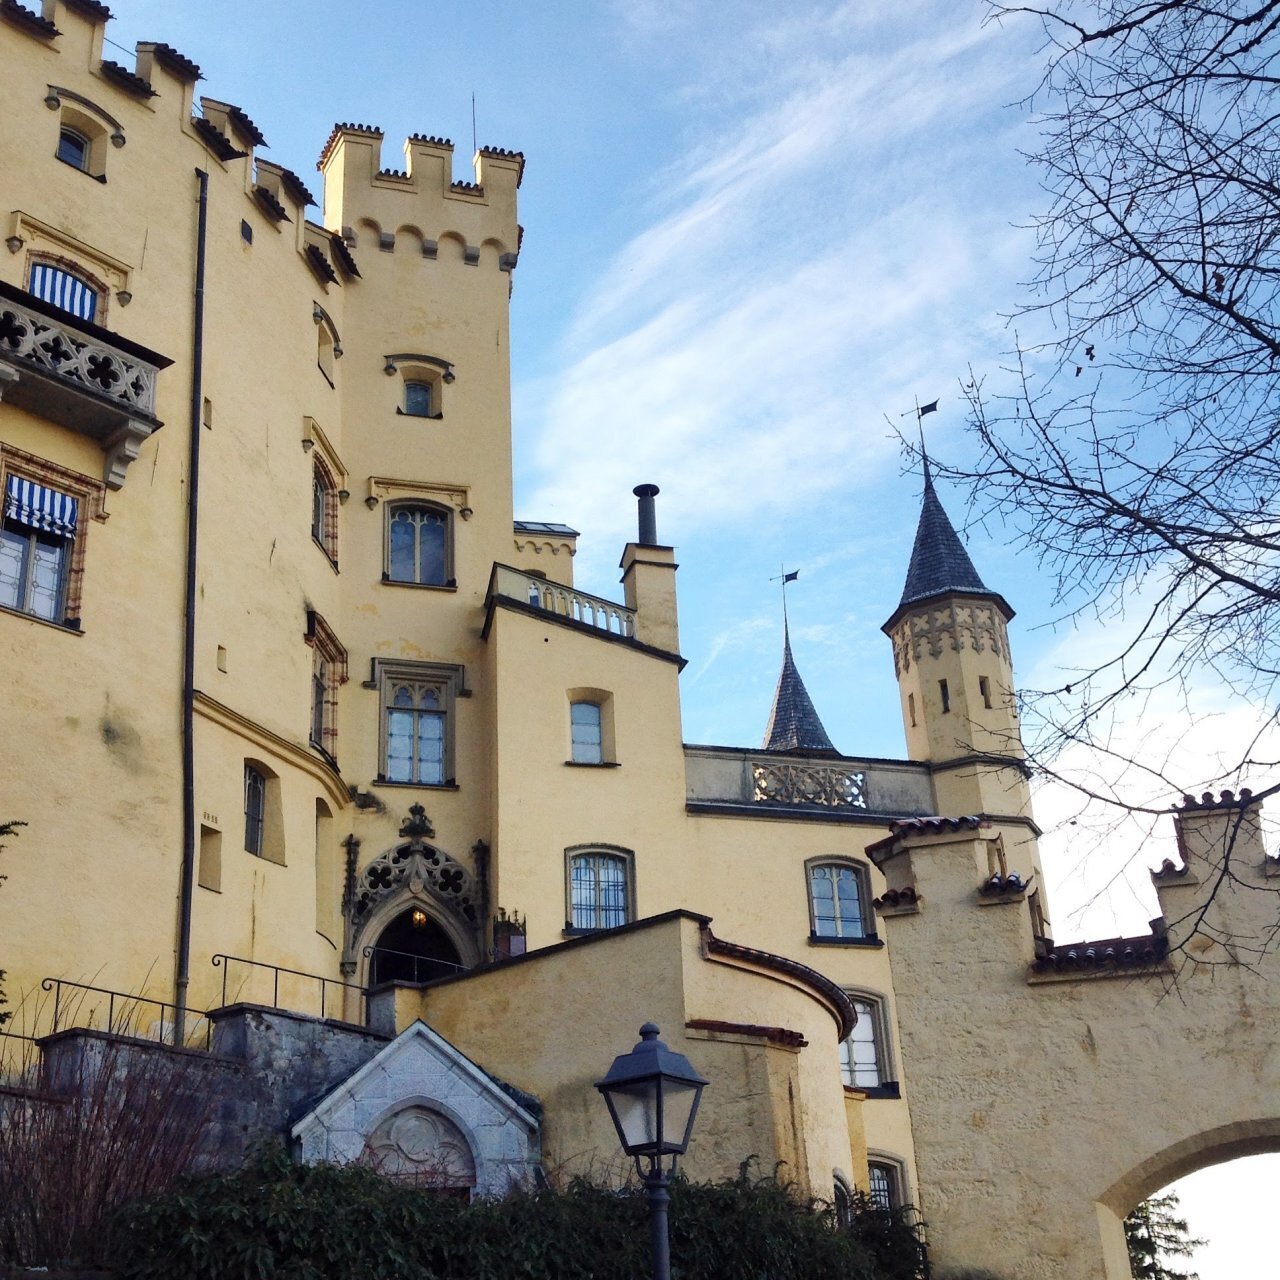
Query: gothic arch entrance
{"points": [[416, 913], [413, 947]]}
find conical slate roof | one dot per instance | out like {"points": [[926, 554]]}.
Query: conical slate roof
{"points": [[939, 562], [793, 723]]}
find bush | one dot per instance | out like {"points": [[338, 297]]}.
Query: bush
{"points": [[277, 1220]]}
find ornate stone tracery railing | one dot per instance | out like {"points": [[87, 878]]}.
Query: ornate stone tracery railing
{"points": [[64, 350], [564, 601], [67, 371], [829, 785]]}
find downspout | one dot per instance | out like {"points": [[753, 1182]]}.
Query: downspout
{"points": [[187, 883]]}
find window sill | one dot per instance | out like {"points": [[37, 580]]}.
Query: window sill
{"points": [[570, 932], [451, 585], [889, 1090], [593, 764], [869, 940], [70, 626], [333, 564], [429, 417], [97, 177], [380, 781]]}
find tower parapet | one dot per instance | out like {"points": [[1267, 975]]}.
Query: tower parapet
{"points": [[421, 203]]}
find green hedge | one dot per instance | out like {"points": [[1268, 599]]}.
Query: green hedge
{"points": [[284, 1221]]}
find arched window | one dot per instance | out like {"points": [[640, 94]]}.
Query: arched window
{"points": [[885, 1183], [600, 890], [864, 1056], [585, 731], [255, 809], [73, 148], [76, 294], [839, 902], [418, 548], [417, 399], [324, 510]]}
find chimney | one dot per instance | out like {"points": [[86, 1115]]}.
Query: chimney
{"points": [[646, 493], [649, 579]]}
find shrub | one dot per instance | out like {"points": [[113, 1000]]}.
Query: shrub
{"points": [[284, 1221]]}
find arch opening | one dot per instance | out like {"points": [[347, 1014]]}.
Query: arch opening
{"points": [[413, 947]]}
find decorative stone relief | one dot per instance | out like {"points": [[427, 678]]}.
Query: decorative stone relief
{"points": [[809, 784], [422, 1111], [956, 624], [421, 1147], [420, 868]]}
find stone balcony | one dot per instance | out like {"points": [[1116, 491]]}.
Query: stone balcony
{"points": [[72, 372], [781, 784], [575, 606]]}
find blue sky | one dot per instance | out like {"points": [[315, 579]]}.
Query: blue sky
{"points": [[755, 233]]}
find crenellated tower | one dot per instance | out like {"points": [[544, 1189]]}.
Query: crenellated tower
{"points": [[955, 676]]}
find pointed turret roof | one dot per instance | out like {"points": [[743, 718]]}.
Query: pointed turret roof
{"points": [[793, 723], [939, 562]]}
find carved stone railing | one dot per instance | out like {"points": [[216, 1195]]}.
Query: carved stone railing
{"points": [[742, 779], [833, 785], [564, 601], [78, 375]]}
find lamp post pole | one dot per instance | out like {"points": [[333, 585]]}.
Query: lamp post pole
{"points": [[653, 1097], [659, 1197]]}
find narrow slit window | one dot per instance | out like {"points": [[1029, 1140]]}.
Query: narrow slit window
{"points": [[984, 688], [945, 694]]}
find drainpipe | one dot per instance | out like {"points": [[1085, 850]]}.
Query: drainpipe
{"points": [[186, 887]]}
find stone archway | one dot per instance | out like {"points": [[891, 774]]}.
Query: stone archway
{"points": [[417, 894]]}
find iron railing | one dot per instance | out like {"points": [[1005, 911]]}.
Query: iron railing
{"points": [[223, 962], [424, 968], [121, 1016]]}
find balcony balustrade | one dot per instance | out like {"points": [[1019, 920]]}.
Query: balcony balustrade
{"points": [[555, 597], [81, 376]]}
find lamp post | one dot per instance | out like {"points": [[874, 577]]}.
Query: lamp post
{"points": [[653, 1097]]}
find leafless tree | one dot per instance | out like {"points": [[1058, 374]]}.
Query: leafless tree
{"points": [[1134, 448]]}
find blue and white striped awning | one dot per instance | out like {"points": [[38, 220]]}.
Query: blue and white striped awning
{"points": [[40, 508], [62, 289]]}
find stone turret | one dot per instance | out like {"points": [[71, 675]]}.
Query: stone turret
{"points": [[955, 675]]}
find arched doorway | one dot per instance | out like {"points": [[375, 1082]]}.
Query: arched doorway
{"points": [[413, 947]]}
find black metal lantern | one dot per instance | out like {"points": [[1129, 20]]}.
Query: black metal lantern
{"points": [[653, 1096]]}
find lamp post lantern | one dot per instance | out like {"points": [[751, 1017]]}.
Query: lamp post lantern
{"points": [[653, 1094]]}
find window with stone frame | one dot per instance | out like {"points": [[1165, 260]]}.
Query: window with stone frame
{"points": [[73, 148], [324, 509], [255, 809], [864, 1054], [43, 533], [885, 1183], [601, 888], [839, 902], [419, 544], [418, 722], [586, 733], [328, 674]]}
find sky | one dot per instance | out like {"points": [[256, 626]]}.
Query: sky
{"points": [[756, 235]]}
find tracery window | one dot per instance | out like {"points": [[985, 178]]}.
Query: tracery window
{"points": [[838, 901], [418, 544], [417, 726]]}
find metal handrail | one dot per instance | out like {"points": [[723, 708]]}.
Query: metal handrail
{"points": [[276, 971], [415, 957], [128, 999]]}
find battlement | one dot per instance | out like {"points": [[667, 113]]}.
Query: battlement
{"points": [[421, 206]]}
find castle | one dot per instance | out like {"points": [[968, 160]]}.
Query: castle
{"points": [[318, 745]]}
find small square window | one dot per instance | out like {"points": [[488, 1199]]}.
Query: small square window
{"points": [[73, 149], [246, 232], [417, 399]]}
